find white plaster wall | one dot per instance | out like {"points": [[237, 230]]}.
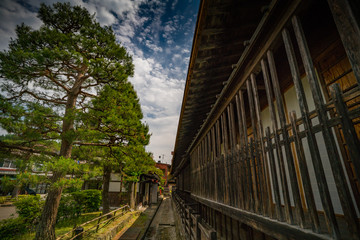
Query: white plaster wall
{"points": [[114, 187], [292, 105]]}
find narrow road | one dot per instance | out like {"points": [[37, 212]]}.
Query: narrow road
{"points": [[7, 212], [163, 225]]}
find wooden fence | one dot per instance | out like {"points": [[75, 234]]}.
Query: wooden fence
{"points": [[247, 167]]}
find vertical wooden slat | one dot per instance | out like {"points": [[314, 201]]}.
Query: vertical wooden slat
{"points": [[226, 157], [311, 139], [210, 166], [263, 162], [219, 166], [201, 168], [230, 157], [255, 156], [289, 157], [232, 124], [234, 160], [274, 176], [214, 162], [336, 166], [250, 199], [315, 224], [352, 141], [242, 155], [206, 151], [345, 18], [255, 181], [279, 154]]}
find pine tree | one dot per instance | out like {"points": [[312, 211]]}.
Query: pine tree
{"points": [[50, 74], [112, 133]]}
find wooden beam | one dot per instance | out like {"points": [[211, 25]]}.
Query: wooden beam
{"points": [[345, 13], [219, 45], [269, 226]]}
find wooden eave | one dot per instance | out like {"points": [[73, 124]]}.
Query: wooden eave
{"points": [[222, 32]]}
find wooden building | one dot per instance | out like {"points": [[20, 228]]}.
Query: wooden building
{"points": [[267, 145]]}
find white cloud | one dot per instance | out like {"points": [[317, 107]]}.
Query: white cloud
{"points": [[159, 79], [160, 98], [12, 14]]}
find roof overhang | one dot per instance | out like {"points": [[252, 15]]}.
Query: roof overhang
{"points": [[222, 33]]}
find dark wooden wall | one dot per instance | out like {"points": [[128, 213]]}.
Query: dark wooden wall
{"points": [[246, 176]]}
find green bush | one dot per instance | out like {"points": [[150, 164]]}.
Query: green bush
{"points": [[10, 228], [88, 200], [7, 185], [3, 200], [68, 207], [29, 208]]}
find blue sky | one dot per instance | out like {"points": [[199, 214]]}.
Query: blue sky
{"points": [[157, 33]]}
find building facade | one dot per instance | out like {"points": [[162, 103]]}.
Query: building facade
{"points": [[165, 168], [267, 145]]}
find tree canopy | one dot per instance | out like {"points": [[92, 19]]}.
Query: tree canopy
{"points": [[64, 85]]}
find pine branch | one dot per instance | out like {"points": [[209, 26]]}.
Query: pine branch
{"points": [[26, 149], [37, 97]]}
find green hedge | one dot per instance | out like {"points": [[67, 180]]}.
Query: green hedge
{"points": [[29, 208], [88, 200], [3, 200], [75, 203], [10, 228]]}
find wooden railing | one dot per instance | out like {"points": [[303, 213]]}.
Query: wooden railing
{"points": [[98, 222], [249, 169]]}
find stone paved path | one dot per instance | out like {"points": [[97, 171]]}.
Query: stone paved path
{"points": [[137, 228], [6, 212], [163, 225]]}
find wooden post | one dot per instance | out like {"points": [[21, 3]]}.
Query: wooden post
{"points": [[234, 173], [311, 139], [284, 184], [285, 135], [266, 192], [347, 126], [345, 13], [250, 199], [226, 168], [209, 165], [255, 156], [214, 162], [315, 224], [336, 166], [219, 166], [242, 155], [274, 175]]}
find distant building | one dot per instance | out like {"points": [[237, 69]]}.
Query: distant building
{"points": [[165, 168]]}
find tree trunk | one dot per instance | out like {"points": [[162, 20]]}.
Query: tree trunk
{"points": [[121, 186], [46, 228], [105, 192], [132, 195], [15, 192]]}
